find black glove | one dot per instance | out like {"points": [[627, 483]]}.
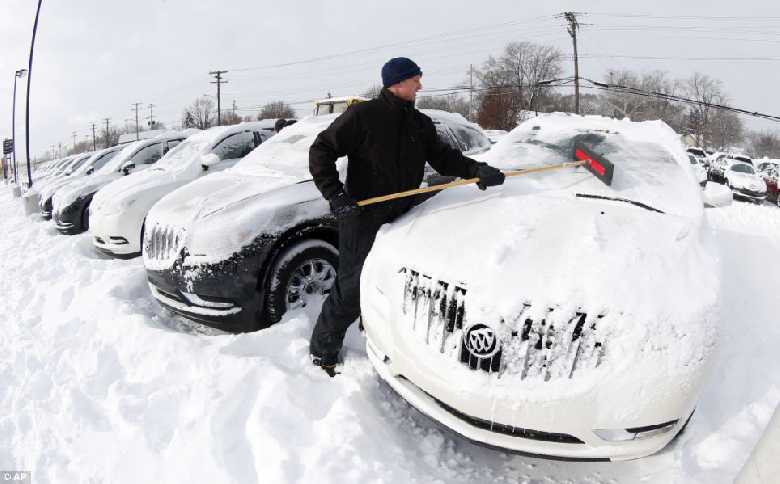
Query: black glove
{"points": [[343, 206], [488, 176]]}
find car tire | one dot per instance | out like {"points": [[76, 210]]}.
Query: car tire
{"points": [[301, 272], [85, 218]]}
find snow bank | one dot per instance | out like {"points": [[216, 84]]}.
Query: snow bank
{"points": [[97, 384]]}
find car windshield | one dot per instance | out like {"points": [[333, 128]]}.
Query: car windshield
{"points": [[287, 153], [184, 152], [101, 160], [650, 168], [742, 168]]}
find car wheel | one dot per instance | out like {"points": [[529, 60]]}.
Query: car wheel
{"points": [[302, 275], [85, 217]]}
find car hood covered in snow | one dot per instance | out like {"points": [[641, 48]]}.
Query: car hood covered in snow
{"points": [[222, 212], [81, 188], [745, 180], [551, 241]]}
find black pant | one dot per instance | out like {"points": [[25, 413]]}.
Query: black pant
{"points": [[342, 307]]}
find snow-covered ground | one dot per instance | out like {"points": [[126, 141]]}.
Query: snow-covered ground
{"points": [[98, 384]]}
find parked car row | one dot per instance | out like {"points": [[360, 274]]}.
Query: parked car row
{"points": [[569, 339], [749, 180]]}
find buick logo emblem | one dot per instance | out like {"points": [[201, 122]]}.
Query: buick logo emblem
{"points": [[481, 341]]}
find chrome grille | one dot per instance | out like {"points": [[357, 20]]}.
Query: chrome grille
{"points": [[162, 243], [535, 345]]}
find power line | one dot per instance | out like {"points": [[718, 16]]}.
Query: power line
{"points": [[416, 41]]}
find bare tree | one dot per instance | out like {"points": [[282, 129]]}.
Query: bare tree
{"points": [[637, 107], [725, 129], [276, 109], [518, 72], [451, 103], [764, 144], [496, 110], [200, 114], [705, 89], [372, 92]]}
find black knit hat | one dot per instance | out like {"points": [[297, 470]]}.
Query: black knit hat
{"points": [[399, 69]]}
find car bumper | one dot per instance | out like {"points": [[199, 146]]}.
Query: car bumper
{"points": [[68, 225], [578, 440], [749, 195], [223, 296], [112, 240]]}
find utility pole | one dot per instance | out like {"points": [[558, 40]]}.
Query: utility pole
{"points": [[219, 81], [108, 133], [94, 145], [471, 92], [571, 17], [74, 141], [151, 116], [135, 107], [234, 107]]}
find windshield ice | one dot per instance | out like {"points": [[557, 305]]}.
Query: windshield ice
{"points": [[183, 152]]}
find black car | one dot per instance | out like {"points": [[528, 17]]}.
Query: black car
{"points": [[237, 249], [70, 204]]}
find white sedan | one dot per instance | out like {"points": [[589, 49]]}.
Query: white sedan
{"points": [[553, 315], [744, 183]]}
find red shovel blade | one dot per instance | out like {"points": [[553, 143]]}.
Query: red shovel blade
{"points": [[602, 168]]}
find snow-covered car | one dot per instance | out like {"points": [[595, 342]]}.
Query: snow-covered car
{"points": [[744, 183], [70, 204], [769, 170], [700, 154], [554, 315], [71, 165], [94, 162], [698, 169], [118, 210], [237, 249]]}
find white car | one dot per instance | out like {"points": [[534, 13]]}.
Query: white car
{"points": [[118, 211], [94, 162], [698, 169], [70, 204], [553, 315], [744, 183]]}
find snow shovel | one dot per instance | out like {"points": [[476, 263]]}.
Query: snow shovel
{"points": [[599, 166]]}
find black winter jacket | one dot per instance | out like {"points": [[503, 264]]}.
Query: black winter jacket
{"points": [[387, 142]]}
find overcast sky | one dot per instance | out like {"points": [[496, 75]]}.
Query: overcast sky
{"points": [[94, 58]]}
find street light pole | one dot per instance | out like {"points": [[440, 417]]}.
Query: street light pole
{"points": [[27, 111], [19, 74]]}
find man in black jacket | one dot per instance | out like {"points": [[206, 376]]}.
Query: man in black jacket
{"points": [[387, 142]]}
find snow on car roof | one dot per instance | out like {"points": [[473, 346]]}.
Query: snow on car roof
{"points": [[651, 165]]}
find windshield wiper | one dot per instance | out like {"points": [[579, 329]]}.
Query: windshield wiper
{"points": [[617, 199]]}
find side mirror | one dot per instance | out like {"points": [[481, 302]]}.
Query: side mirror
{"points": [[128, 168], [91, 171], [209, 160]]}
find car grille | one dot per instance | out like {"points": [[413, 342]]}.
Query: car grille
{"points": [[751, 193], [533, 346], [163, 243]]}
